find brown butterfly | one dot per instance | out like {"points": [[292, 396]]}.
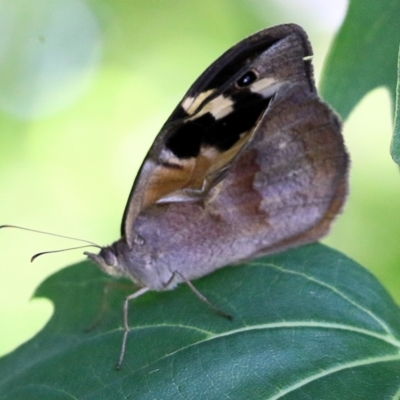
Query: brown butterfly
{"points": [[250, 162]]}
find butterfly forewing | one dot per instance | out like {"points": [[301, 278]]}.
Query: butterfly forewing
{"points": [[214, 122]]}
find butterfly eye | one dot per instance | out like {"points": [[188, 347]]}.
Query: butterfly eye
{"points": [[247, 79]]}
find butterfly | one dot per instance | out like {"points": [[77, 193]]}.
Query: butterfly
{"points": [[250, 162]]}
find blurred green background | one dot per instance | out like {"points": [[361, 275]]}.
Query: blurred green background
{"points": [[85, 87]]}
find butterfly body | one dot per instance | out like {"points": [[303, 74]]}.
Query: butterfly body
{"points": [[251, 162]]}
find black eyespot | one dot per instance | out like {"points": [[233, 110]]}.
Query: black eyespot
{"points": [[247, 79]]}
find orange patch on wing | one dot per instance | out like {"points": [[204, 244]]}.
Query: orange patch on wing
{"points": [[191, 175]]}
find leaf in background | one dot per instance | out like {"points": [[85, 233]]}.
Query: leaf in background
{"points": [[363, 55], [395, 146], [308, 323]]}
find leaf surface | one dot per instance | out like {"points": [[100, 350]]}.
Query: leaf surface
{"points": [[363, 55], [307, 323]]}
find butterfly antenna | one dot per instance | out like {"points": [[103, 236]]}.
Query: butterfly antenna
{"points": [[59, 251], [88, 242], [51, 234]]}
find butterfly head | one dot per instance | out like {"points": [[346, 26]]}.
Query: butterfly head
{"points": [[135, 262], [108, 261]]}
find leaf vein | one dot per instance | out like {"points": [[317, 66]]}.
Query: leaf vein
{"points": [[380, 322], [329, 371]]}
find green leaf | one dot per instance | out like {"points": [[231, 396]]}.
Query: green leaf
{"points": [[363, 55], [308, 323], [395, 145]]}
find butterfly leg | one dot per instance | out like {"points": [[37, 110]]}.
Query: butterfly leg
{"points": [[126, 325], [199, 295]]}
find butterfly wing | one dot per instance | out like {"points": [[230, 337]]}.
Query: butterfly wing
{"points": [[283, 189], [216, 119]]}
